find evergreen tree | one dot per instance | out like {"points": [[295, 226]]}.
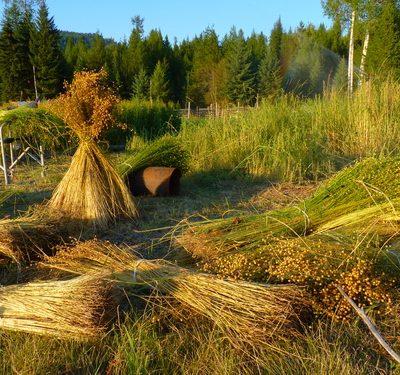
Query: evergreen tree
{"points": [[81, 54], [23, 34], [8, 63], [205, 79], [159, 86], [178, 74], [275, 41], [16, 74], [337, 43], [340, 79], [239, 83], [270, 79], [136, 49], [70, 58], [155, 49], [270, 75], [46, 54], [384, 51], [96, 54], [141, 85]]}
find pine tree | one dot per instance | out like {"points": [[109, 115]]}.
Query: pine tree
{"points": [[275, 41], [340, 79], [337, 42], [141, 85], [155, 49], [81, 54], [46, 54], [23, 34], [205, 78], [240, 83], [270, 76], [8, 63], [96, 54], [70, 57], [136, 49], [16, 74], [384, 51], [159, 87], [270, 79]]}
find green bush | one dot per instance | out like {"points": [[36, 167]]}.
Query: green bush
{"points": [[144, 119]]}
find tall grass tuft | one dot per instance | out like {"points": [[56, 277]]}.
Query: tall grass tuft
{"points": [[149, 120]]}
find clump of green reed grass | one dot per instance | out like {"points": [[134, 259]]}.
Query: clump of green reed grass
{"points": [[148, 120]]}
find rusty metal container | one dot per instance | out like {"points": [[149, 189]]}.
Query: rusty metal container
{"points": [[156, 181]]}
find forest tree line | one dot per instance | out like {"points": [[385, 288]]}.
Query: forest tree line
{"points": [[36, 58]]}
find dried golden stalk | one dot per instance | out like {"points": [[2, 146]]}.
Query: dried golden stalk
{"points": [[247, 312], [69, 308]]}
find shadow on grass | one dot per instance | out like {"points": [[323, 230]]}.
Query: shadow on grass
{"points": [[20, 203]]}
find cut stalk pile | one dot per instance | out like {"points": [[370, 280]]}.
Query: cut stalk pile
{"points": [[166, 151], [247, 312], [367, 184], [345, 234], [71, 309], [91, 191]]}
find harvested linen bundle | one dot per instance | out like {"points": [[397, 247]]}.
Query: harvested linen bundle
{"points": [[91, 190], [72, 309], [247, 312]]}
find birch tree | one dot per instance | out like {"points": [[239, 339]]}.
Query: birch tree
{"points": [[350, 12]]}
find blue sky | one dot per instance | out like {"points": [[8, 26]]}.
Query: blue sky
{"points": [[182, 18]]}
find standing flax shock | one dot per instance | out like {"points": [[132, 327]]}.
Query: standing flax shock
{"points": [[91, 190]]}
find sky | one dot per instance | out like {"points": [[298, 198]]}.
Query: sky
{"points": [[182, 19]]}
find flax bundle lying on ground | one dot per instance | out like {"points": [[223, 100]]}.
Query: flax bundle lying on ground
{"points": [[247, 312], [69, 308], [91, 190], [368, 183], [166, 151]]}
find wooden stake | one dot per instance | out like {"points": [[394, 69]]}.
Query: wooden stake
{"points": [[370, 325]]}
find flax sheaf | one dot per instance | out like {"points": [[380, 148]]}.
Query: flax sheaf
{"points": [[91, 190], [246, 312]]}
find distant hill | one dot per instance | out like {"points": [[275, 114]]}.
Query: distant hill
{"points": [[87, 37]]}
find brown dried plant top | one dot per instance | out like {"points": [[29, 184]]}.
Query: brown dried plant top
{"points": [[86, 105]]}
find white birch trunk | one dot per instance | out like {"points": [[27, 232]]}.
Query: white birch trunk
{"points": [[363, 57], [350, 72]]}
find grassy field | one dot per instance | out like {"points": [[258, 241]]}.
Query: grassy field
{"points": [[146, 340], [268, 158], [297, 140]]}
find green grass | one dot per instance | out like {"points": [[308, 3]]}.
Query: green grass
{"points": [[142, 118], [296, 140], [144, 345]]}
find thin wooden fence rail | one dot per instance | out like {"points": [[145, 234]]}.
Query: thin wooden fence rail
{"points": [[211, 111]]}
